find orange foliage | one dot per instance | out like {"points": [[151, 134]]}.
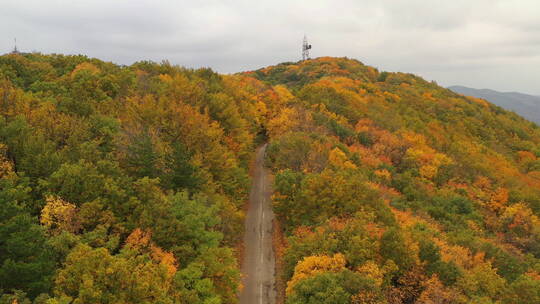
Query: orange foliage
{"points": [[436, 293], [6, 167], [479, 101], [85, 66], [141, 241]]}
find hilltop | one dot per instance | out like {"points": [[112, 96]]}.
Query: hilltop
{"points": [[385, 177], [387, 188]]}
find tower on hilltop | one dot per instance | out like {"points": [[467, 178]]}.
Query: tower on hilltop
{"points": [[15, 50], [305, 49]]}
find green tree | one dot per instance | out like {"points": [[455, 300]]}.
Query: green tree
{"points": [[335, 288], [25, 257], [393, 248], [95, 276], [526, 289], [183, 174]]}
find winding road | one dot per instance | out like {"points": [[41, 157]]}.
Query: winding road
{"points": [[258, 268]]}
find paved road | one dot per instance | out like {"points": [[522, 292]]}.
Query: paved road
{"points": [[258, 268]]}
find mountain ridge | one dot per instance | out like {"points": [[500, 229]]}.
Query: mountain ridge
{"points": [[525, 105]]}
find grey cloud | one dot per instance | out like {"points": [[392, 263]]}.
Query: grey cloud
{"points": [[481, 43]]}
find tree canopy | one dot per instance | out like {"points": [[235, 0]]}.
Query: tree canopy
{"points": [[127, 184]]}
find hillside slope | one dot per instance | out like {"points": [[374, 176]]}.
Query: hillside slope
{"points": [[525, 105], [392, 189], [121, 184], [126, 184]]}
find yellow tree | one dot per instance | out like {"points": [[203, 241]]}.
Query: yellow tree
{"points": [[313, 265], [59, 215], [339, 160]]}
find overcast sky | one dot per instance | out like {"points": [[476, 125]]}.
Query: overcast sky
{"points": [[477, 43]]}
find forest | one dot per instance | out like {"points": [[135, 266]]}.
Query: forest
{"points": [[128, 184]]}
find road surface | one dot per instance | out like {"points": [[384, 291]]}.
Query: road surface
{"points": [[258, 269]]}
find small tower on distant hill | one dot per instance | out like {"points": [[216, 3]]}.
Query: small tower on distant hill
{"points": [[15, 50], [305, 49]]}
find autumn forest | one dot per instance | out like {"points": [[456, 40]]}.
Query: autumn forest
{"points": [[129, 184]]}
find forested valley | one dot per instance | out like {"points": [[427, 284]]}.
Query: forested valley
{"points": [[128, 184]]}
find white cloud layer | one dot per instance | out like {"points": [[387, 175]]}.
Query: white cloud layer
{"points": [[479, 43]]}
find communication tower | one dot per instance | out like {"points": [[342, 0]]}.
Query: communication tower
{"points": [[305, 49], [15, 50]]}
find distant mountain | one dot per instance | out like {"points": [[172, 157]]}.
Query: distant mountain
{"points": [[525, 105]]}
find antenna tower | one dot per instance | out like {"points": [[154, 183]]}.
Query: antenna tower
{"points": [[305, 49], [15, 50]]}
